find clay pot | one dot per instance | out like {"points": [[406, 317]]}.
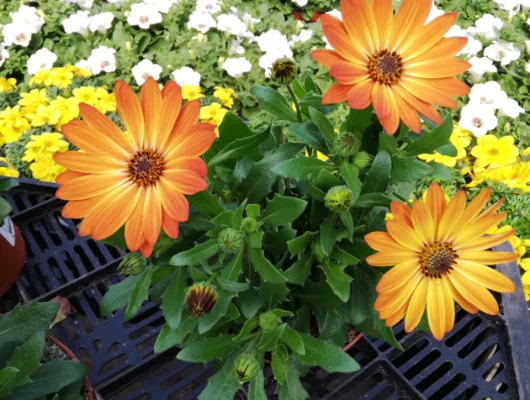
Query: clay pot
{"points": [[12, 254]]}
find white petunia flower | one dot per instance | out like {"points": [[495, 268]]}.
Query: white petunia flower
{"points": [[300, 3], [512, 6], [4, 55], [489, 93], [208, 6], [478, 119], [487, 26], [274, 41], [505, 52], [435, 13], [236, 67], [100, 22], [143, 16], [83, 64], [236, 48], [42, 58], [201, 22], [479, 66], [101, 60], [186, 76], [161, 6], [83, 3], [18, 33], [304, 36], [231, 24], [77, 23], [144, 69], [249, 20], [29, 16], [510, 108], [335, 13]]}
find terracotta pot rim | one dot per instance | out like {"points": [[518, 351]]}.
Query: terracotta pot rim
{"points": [[17, 250]]}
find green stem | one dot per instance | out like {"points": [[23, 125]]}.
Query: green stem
{"points": [[295, 101]]}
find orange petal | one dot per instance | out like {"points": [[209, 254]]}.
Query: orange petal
{"points": [[397, 315], [390, 121], [326, 57], [442, 67], [396, 300], [476, 230], [170, 226], [134, 231], [185, 181], [485, 276], [436, 308], [89, 186], [488, 257], [491, 210], [401, 213], [336, 94], [475, 294], [383, 14], [360, 23], [196, 164], [171, 102], [407, 113], [130, 112], [360, 95], [404, 235], [382, 241], [427, 93], [195, 141], [474, 208], [151, 101], [79, 208], [173, 202], [398, 276], [466, 305], [152, 218], [435, 202], [423, 223], [67, 176], [89, 163], [348, 73], [340, 40], [147, 249], [188, 116], [423, 108], [416, 307], [447, 86], [453, 212], [410, 14], [391, 258], [449, 304], [486, 242], [446, 47]]}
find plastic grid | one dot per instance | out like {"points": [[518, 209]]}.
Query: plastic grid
{"points": [[474, 362]]}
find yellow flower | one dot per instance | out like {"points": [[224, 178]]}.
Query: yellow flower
{"points": [[219, 116], [106, 101], [526, 282], [61, 77], [13, 118], [86, 94], [32, 99], [460, 139], [7, 84], [214, 114], [491, 150], [46, 169], [514, 240], [520, 177], [44, 145], [9, 171], [191, 92], [44, 115], [226, 95], [69, 109], [78, 72], [42, 77]]}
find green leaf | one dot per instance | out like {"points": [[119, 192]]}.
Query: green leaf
{"points": [[347, 221], [283, 210], [5, 209], [409, 170], [50, 378], [447, 150], [237, 219], [338, 280], [424, 324], [255, 239], [7, 183], [328, 236], [323, 124], [18, 325], [223, 219], [117, 239], [300, 270], [208, 349], [273, 293], [256, 388], [325, 355], [270, 338], [442, 172], [118, 295], [326, 180], [8, 380], [274, 103], [298, 168], [174, 337], [233, 269], [430, 141], [196, 255], [223, 384], [219, 310], [351, 177], [174, 298], [388, 143], [139, 293], [268, 272], [358, 121], [298, 245], [307, 133], [26, 360], [207, 203], [279, 363], [293, 340], [232, 128], [248, 326], [238, 148], [233, 286], [249, 303], [319, 295], [379, 175], [253, 210], [371, 200], [292, 389], [344, 257]]}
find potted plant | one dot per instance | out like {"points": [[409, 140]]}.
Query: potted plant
{"points": [[34, 365], [12, 245]]}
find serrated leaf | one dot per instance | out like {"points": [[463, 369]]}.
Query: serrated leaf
{"points": [[328, 236], [274, 103], [139, 294], [283, 210], [118, 295], [253, 210], [233, 286], [248, 326], [208, 349], [174, 337], [174, 298], [223, 219], [249, 303], [273, 293], [8, 379], [237, 219], [196, 255], [218, 311], [256, 388], [319, 295], [300, 270], [430, 141], [292, 388], [279, 363], [323, 124], [238, 148], [343, 257], [233, 269], [207, 203], [331, 358], [270, 338], [338, 280], [268, 272], [347, 221], [298, 168], [409, 170], [223, 384], [351, 176], [26, 360], [308, 133], [380, 173], [298, 245], [255, 239], [19, 325], [293, 340]]}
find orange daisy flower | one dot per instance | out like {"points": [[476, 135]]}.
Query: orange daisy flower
{"points": [[396, 63], [139, 182], [439, 253]]}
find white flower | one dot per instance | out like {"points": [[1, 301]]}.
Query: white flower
{"points": [[18, 33], [83, 64], [300, 3], [512, 6], [268, 59], [335, 13], [186, 76], [505, 52], [83, 3], [435, 13], [249, 20], [304, 36], [4, 55], [236, 48], [236, 67], [510, 108], [43, 58], [116, 1], [161, 6], [77, 23], [274, 41], [144, 69], [201, 22], [489, 93], [208, 6], [231, 24], [143, 16], [100, 22], [487, 26], [102, 59], [29, 16], [478, 119], [479, 66]]}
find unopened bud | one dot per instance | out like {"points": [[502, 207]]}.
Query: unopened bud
{"points": [[283, 71], [249, 225], [246, 367], [346, 144], [269, 320], [339, 199], [132, 264], [200, 299], [363, 159], [230, 240]]}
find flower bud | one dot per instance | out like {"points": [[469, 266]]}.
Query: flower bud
{"points": [[269, 320], [246, 367], [230, 240], [363, 159], [346, 144], [249, 225], [283, 71], [339, 199], [200, 299], [132, 264]]}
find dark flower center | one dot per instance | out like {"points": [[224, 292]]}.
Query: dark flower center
{"points": [[385, 67], [145, 167], [437, 260]]}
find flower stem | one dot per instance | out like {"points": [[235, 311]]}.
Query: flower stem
{"points": [[295, 101]]}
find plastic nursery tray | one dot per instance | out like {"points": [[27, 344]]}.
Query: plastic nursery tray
{"points": [[482, 358]]}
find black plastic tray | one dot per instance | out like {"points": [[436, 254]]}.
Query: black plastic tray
{"points": [[482, 358]]}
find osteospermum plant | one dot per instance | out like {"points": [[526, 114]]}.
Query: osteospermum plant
{"points": [[272, 247]]}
